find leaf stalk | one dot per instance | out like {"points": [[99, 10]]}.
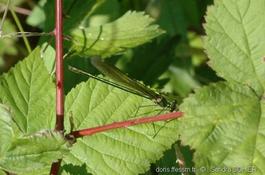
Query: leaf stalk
{"points": [[125, 124]]}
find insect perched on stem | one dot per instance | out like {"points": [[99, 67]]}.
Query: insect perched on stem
{"points": [[127, 84]]}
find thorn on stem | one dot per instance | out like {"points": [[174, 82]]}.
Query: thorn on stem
{"points": [[59, 84]]}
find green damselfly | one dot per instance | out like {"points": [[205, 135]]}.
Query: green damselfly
{"points": [[127, 84]]}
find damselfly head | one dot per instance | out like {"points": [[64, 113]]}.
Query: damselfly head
{"points": [[173, 106]]}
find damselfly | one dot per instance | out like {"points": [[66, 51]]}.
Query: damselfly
{"points": [[127, 84]]}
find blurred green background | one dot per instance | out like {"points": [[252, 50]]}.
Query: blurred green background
{"points": [[174, 62]]}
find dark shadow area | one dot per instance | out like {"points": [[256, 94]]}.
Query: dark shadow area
{"points": [[74, 169]]}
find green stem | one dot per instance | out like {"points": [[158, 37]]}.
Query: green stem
{"points": [[20, 28]]}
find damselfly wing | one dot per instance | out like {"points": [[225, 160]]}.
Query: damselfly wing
{"points": [[117, 75], [126, 83]]}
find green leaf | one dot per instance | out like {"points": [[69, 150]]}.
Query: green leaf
{"points": [[28, 90], [130, 30], [37, 16], [224, 124], [121, 151], [157, 58], [6, 130], [235, 41], [2, 172], [103, 12], [180, 80], [48, 56], [175, 16], [34, 152]]}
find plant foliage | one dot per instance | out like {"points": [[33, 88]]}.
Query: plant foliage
{"points": [[223, 121]]}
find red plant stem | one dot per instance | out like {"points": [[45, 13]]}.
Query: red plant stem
{"points": [[59, 75], [55, 167], [59, 66], [125, 124]]}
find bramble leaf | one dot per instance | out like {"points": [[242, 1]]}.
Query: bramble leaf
{"points": [[115, 37], [34, 152], [48, 56], [28, 90], [235, 41], [224, 124], [121, 151], [6, 130]]}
